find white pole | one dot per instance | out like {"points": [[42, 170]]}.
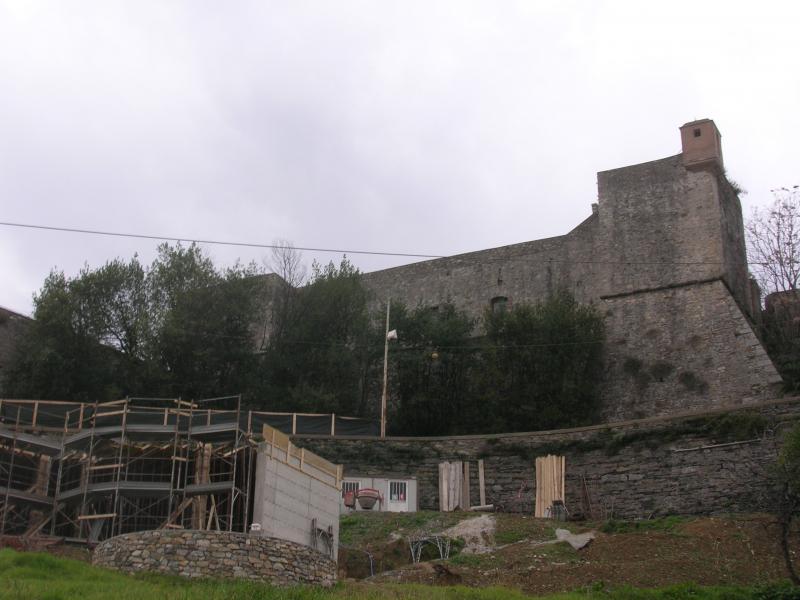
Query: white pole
{"points": [[385, 369]]}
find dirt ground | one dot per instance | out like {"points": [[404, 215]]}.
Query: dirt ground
{"points": [[718, 550]]}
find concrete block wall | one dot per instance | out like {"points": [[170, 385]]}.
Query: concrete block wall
{"points": [[288, 499]]}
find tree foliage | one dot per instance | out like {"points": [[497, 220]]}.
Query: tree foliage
{"points": [[176, 328], [323, 346], [433, 367], [180, 327], [773, 237], [536, 367], [545, 362]]}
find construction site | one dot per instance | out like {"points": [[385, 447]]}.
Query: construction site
{"points": [[85, 472]]}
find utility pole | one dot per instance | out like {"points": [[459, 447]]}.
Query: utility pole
{"points": [[385, 369]]}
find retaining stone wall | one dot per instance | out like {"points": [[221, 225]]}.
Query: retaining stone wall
{"points": [[216, 554], [632, 470]]}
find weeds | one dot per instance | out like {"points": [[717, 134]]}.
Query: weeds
{"points": [[664, 524]]}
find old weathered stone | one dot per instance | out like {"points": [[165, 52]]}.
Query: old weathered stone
{"points": [[631, 470], [216, 554]]}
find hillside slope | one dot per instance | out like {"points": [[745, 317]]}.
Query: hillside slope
{"points": [[741, 550]]}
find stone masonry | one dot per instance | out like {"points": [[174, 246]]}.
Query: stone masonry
{"points": [[662, 257], [216, 554], [698, 463]]}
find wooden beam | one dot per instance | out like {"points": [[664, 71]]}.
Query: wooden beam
{"points": [[101, 467], [175, 514], [442, 487], [466, 501], [481, 483], [37, 526], [113, 413]]}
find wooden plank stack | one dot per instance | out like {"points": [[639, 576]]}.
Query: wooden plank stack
{"points": [[454, 486], [549, 484]]}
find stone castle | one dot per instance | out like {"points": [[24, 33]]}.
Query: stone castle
{"points": [[662, 256]]}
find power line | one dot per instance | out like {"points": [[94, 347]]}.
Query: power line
{"points": [[351, 251], [214, 242]]}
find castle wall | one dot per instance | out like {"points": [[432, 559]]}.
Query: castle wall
{"points": [[681, 348], [523, 272], [663, 258], [737, 275], [659, 226]]}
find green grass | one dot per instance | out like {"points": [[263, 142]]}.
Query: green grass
{"points": [[362, 529], [509, 536], [559, 552], [35, 576], [663, 524], [512, 528]]}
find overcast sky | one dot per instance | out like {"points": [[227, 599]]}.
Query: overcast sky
{"points": [[426, 127]]}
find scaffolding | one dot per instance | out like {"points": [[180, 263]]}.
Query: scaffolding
{"points": [[89, 471]]}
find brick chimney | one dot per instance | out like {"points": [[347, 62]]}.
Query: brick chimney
{"points": [[701, 145]]}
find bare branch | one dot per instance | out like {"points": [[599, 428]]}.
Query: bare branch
{"points": [[773, 239]]}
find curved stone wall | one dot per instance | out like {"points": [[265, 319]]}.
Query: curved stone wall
{"points": [[216, 554]]}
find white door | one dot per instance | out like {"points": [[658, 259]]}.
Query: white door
{"points": [[398, 497]]}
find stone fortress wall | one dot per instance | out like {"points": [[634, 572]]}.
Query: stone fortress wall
{"points": [[662, 257]]}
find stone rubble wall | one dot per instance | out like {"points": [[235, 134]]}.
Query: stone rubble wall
{"points": [[685, 465], [216, 554]]}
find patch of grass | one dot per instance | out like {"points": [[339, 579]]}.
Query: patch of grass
{"points": [[475, 561], [664, 524], [362, 529], [512, 528], [733, 427], [509, 536], [560, 552], [35, 576], [727, 427], [690, 591]]}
